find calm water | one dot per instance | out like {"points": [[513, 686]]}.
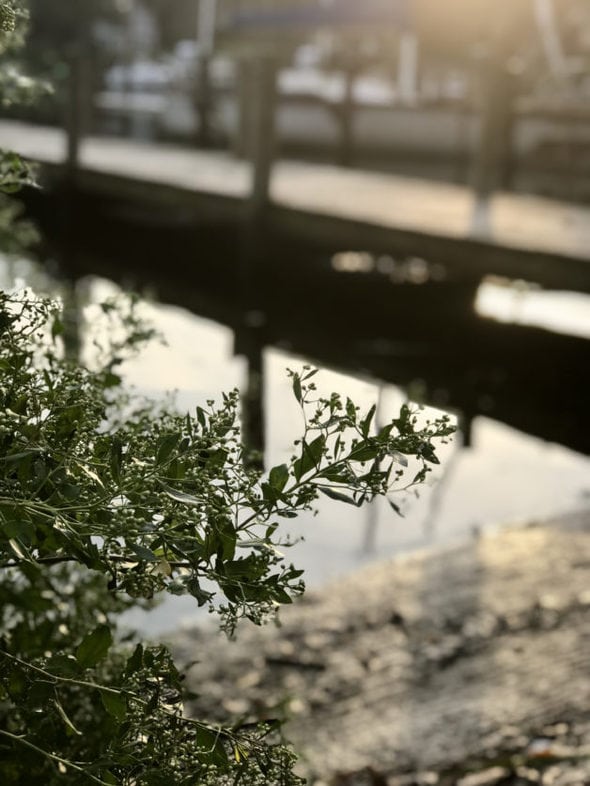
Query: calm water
{"points": [[504, 477]]}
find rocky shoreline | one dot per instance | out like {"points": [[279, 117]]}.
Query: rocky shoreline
{"points": [[468, 666]]}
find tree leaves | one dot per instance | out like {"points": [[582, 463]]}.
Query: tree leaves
{"points": [[151, 501], [310, 456], [278, 477], [94, 647], [115, 704], [165, 447], [180, 496]]}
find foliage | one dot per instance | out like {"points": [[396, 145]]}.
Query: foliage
{"points": [[101, 504], [15, 87]]}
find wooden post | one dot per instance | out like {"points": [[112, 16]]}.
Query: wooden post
{"points": [[263, 75], [71, 319], [407, 74], [492, 157], [346, 116], [78, 106], [249, 342], [206, 41], [242, 144], [204, 102]]}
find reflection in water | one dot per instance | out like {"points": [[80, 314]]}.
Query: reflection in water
{"points": [[504, 476], [520, 303]]}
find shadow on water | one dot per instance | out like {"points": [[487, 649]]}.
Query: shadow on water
{"points": [[419, 331]]}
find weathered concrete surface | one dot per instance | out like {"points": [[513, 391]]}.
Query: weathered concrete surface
{"points": [[434, 663]]}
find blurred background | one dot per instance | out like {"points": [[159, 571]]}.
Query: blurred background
{"points": [[401, 86], [394, 191]]}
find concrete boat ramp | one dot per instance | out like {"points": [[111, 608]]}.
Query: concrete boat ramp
{"points": [[468, 666]]}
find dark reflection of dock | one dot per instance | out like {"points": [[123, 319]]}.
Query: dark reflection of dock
{"points": [[288, 294]]}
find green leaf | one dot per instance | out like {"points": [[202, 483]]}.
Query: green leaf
{"points": [[116, 459], [94, 647], [135, 661], [396, 508], [365, 424], [115, 704], [63, 666], [57, 327], [20, 530], [364, 453], [165, 447], [211, 749], [310, 456], [12, 457], [111, 380], [181, 496], [194, 588], [278, 477], [297, 388], [143, 553], [337, 495]]}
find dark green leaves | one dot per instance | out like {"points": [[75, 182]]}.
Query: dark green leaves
{"points": [[365, 424], [116, 458], [181, 496], [111, 501], [115, 704], [94, 647], [211, 747], [297, 388], [278, 477], [337, 495], [365, 452], [310, 456], [165, 447], [143, 553]]}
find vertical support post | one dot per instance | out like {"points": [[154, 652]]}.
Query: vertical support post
{"points": [[491, 162], [249, 342], [407, 74], [71, 320], [492, 157], [206, 41], [263, 75], [346, 116], [78, 105], [203, 101], [242, 144]]}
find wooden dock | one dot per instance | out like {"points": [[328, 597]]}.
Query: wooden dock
{"points": [[516, 236]]}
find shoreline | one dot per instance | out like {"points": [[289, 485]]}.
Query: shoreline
{"points": [[431, 662]]}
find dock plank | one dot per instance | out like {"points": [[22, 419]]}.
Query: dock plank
{"points": [[364, 200]]}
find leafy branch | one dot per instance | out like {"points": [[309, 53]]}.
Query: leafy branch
{"points": [[128, 501]]}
